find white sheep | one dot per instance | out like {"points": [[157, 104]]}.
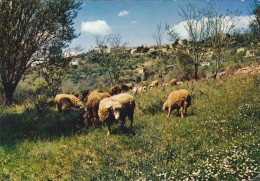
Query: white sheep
{"points": [[116, 107], [140, 89]]}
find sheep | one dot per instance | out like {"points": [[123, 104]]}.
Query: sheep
{"points": [[180, 100], [94, 99], [66, 101], [130, 85], [117, 107], [114, 90], [166, 85], [173, 82], [154, 84], [179, 83], [84, 95], [124, 87], [140, 89], [75, 94]]}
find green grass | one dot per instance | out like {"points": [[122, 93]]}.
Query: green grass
{"points": [[218, 140]]}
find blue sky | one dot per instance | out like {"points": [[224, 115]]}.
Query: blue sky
{"points": [[136, 20]]}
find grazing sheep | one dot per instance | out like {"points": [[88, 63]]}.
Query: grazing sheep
{"points": [[180, 100], [84, 96], [173, 82], [124, 87], [75, 94], [165, 85], [94, 99], [179, 83], [116, 107], [140, 89], [154, 84], [130, 85], [66, 101], [114, 90]]}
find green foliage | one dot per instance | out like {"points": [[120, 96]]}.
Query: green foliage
{"points": [[29, 30], [219, 139], [40, 83], [255, 23]]}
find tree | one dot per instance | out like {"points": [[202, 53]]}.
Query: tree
{"points": [[222, 26], [158, 36], [255, 23], [27, 27], [197, 25], [56, 64], [112, 55]]}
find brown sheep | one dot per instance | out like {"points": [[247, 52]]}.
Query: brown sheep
{"points": [[130, 86], [115, 90], [66, 101], [124, 87], [154, 84], [94, 99], [173, 82], [117, 107], [84, 95], [75, 94], [180, 100]]}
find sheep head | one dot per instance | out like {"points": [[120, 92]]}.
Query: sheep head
{"points": [[115, 107], [165, 107]]}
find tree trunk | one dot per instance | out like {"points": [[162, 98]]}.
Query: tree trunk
{"points": [[216, 69], [196, 71], [9, 94]]}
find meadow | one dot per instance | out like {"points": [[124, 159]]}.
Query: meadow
{"points": [[218, 140]]}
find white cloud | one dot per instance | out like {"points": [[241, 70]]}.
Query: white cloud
{"points": [[180, 29], [240, 22], [99, 27], [123, 13]]}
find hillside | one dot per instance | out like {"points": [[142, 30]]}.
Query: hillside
{"points": [[218, 140], [143, 64]]}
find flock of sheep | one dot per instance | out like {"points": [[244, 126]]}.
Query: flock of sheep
{"points": [[107, 107]]}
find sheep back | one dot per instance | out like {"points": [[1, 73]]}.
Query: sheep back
{"points": [[114, 90], [94, 99], [66, 101], [173, 82], [154, 84], [180, 99]]}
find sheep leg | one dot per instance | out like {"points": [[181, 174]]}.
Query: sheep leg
{"points": [[131, 117], [123, 123], [58, 107], [185, 108], [169, 111], [108, 128], [181, 111], [95, 117], [87, 122]]}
